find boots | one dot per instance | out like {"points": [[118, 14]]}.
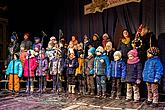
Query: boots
{"points": [[98, 94], [27, 89], [103, 95], [31, 89], [69, 89], [73, 89]]}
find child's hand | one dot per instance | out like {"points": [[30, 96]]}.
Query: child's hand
{"points": [[94, 76], [138, 81]]}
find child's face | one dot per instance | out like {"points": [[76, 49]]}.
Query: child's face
{"points": [[130, 57], [22, 48], [37, 40], [50, 46], [71, 55], [94, 38], [149, 55], [36, 49], [116, 58], [15, 57]]}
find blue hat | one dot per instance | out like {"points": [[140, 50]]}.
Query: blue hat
{"points": [[13, 37], [92, 50]]}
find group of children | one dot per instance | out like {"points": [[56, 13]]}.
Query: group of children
{"points": [[57, 61]]}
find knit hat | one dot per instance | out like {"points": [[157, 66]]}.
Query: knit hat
{"points": [[92, 50], [154, 51], [117, 53], [100, 49], [36, 38], [106, 35], [13, 37], [133, 52], [52, 38], [22, 45], [109, 44]]}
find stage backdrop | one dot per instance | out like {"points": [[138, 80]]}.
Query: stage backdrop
{"points": [[72, 20]]}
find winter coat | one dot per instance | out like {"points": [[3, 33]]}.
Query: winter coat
{"points": [[89, 66], [30, 67], [117, 69], [44, 67], [27, 43], [22, 58], [124, 48], [74, 63], [134, 72], [17, 68], [56, 62], [80, 70], [101, 65], [153, 70]]}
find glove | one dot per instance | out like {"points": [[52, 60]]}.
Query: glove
{"points": [[155, 81], [138, 81]]}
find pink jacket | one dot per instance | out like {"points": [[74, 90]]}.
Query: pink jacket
{"points": [[32, 67]]}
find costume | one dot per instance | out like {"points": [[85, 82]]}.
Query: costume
{"points": [[80, 71], [17, 66], [71, 64], [29, 69], [117, 73], [152, 73], [134, 76], [101, 65], [89, 71], [56, 66], [42, 71]]}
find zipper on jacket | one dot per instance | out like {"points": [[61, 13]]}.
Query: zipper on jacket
{"points": [[115, 69]]}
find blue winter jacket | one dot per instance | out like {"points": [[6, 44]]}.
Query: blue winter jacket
{"points": [[101, 65], [17, 68], [117, 69], [153, 70]]}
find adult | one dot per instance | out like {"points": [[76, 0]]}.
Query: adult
{"points": [[27, 42], [95, 41], [125, 44]]}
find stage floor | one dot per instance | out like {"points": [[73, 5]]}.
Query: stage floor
{"points": [[64, 101]]}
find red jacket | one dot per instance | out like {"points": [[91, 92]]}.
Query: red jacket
{"points": [[30, 68]]}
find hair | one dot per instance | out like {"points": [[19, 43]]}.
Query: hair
{"points": [[27, 34]]}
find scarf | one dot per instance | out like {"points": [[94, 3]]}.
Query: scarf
{"points": [[133, 61]]}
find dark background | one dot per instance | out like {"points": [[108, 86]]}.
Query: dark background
{"points": [[36, 15]]}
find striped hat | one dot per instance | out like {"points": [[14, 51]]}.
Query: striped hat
{"points": [[154, 51]]}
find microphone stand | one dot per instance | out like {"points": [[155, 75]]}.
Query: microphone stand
{"points": [[40, 63]]}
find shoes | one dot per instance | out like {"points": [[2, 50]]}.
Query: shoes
{"points": [[153, 105], [117, 98], [136, 101], [148, 102], [128, 100]]}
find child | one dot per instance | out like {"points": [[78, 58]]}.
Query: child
{"points": [[118, 74], [42, 71], [37, 42], [90, 71], [71, 64], [17, 66], [101, 65], [80, 69], [152, 73], [134, 76], [29, 70], [22, 54]]}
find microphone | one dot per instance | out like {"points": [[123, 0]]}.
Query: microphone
{"points": [[43, 33]]}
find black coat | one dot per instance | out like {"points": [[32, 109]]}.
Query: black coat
{"points": [[134, 72]]}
